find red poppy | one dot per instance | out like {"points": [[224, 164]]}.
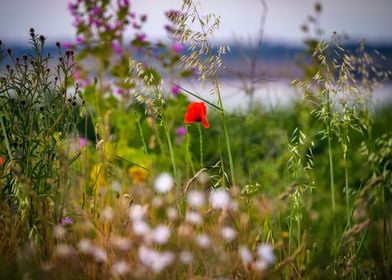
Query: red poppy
{"points": [[197, 113]]}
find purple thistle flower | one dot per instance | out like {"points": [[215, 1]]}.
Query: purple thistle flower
{"points": [[181, 131], [66, 221], [175, 89], [67, 45], [116, 47], [79, 40], [82, 142], [141, 37], [177, 47]]}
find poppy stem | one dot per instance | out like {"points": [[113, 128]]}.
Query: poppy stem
{"points": [[188, 151], [201, 145]]}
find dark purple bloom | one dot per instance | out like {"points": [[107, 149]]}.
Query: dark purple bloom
{"points": [[175, 89], [141, 37], [116, 47]]}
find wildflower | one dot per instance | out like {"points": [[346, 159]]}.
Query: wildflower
{"points": [[116, 47], [197, 113], [265, 257], [121, 243], [177, 47], [172, 213], [155, 260], [141, 37], [228, 233], [82, 142], [245, 255], [160, 234], [59, 231], [2, 160], [137, 212], [186, 257], [203, 241], [138, 174], [181, 131], [175, 89], [100, 255], [66, 221], [120, 268], [107, 213], [196, 198], [163, 183], [140, 228], [220, 199], [85, 246], [63, 250], [79, 40], [193, 217]]}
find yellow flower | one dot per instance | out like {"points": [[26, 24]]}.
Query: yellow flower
{"points": [[138, 174]]}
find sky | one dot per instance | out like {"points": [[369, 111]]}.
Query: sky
{"points": [[368, 19]]}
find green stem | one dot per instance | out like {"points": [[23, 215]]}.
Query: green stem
{"points": [[141, 134], [169, 142], [331, 169], [226, 133], [201, 144], [346, 188], [188, 151], [7, 144]]}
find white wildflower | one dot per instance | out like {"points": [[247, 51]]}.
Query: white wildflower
{"points": [[137, 212], [121, 243], [228, 233], [63, 250], [100, 255], [140, 228], [85, 246], [164, 183], [193, 217], [172, 213], [155, 260], [120, 268], [186, 257], [196, 198], [107, 214], [245, 255], [203, 241], [266, 253], [220, 199], [160, 234], [59, 231], [116, 186]]}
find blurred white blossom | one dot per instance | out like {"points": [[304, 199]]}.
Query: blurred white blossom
{"points": [[160, 234], [164, 183], [193, 217], [196, 198], [220, 199], [228, 233]]}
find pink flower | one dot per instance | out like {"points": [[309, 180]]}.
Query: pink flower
{"points": [[141, 37], [116, 47], [181, 131], [177, 47], [66, 221], [79, 40], [120, 91], [82, 142], [175, 89], [76, 75], [67, 45]]}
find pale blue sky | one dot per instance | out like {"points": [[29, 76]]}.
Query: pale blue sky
{"points": [[360, 18]]}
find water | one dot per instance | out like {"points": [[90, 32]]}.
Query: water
{"points": [[272, 94]]}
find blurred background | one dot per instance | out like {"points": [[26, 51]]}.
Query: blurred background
{"points": [[279, 24]]}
